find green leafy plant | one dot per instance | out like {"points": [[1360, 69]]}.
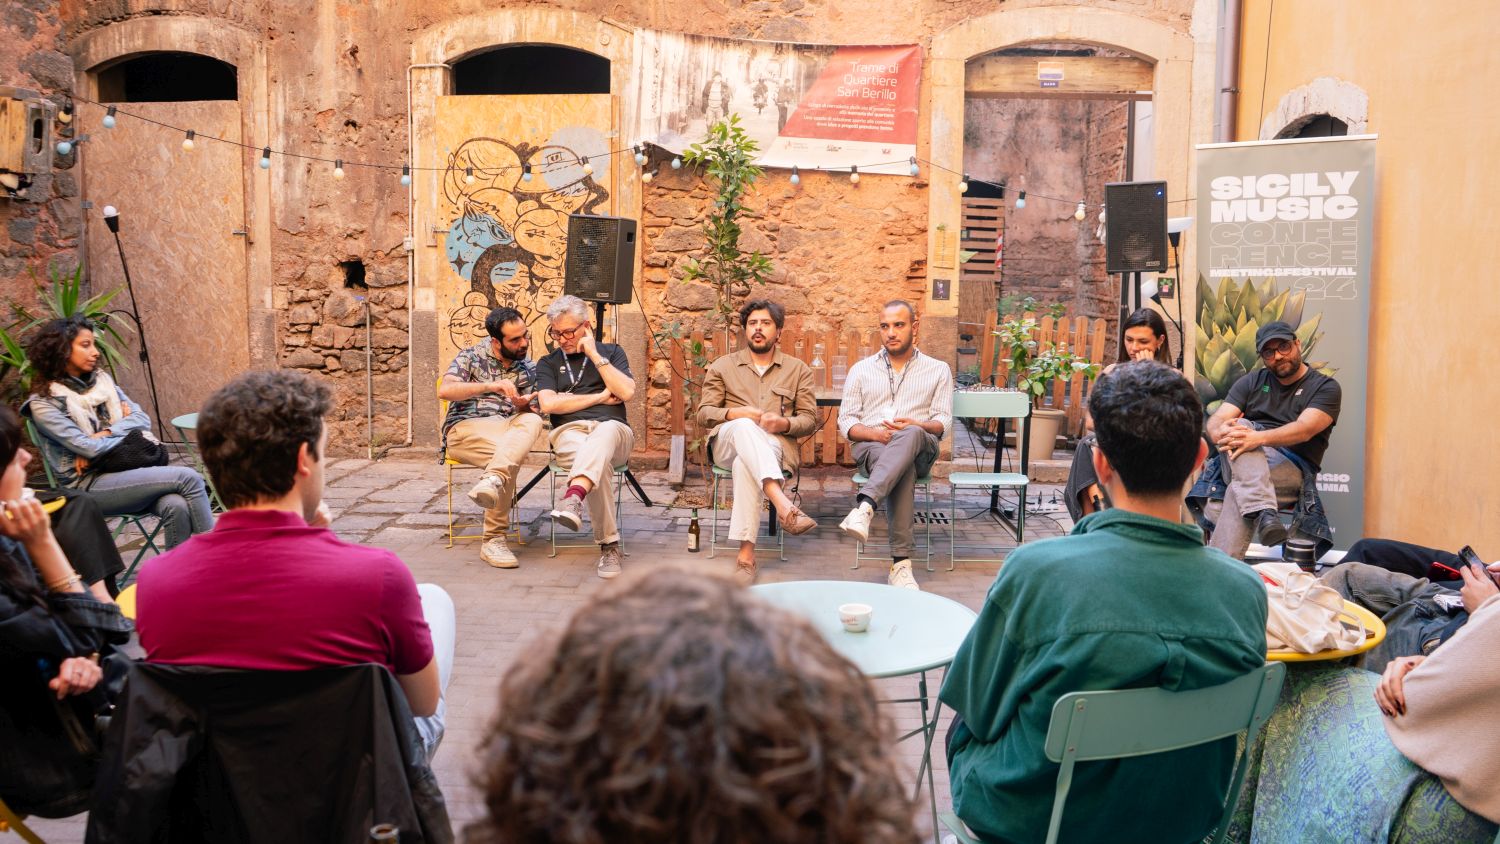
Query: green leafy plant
{"points": [[1049, 365], [727, 156], [63, 295], [1227, 321], [1032, 366]]}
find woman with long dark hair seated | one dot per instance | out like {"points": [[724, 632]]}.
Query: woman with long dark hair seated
{"points": [[52, 634], [84, 417], [1143, 336]]}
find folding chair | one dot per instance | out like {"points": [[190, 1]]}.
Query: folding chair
{"points": [[713, 526], [460, 531], [925, 483], [11, 822], [1089, 726], [125, 520], [555, 471], [991, 405]]}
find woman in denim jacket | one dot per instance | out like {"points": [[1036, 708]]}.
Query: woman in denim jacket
{"points": [[81, 415]]}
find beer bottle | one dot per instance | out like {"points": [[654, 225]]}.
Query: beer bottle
{"points": [[693, 532]]}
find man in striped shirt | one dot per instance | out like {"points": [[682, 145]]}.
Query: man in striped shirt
{"points": [[897, 406]]}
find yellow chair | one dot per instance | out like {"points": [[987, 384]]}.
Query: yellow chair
{"points": [[461, 530], [11, 822]]}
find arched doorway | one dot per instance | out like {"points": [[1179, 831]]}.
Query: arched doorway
{"points": [[182, 211]]}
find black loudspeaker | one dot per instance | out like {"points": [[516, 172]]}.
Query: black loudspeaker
{"points": [[1135, 233], [600, 264]]}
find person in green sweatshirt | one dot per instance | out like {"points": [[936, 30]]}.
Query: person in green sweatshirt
{"points": [[1132, 599]]}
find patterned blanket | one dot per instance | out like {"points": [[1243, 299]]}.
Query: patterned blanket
{"points": [[1326, 771]]}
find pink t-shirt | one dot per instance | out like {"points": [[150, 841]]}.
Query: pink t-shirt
{"points": [[265, 591]]}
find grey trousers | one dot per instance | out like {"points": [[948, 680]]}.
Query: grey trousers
{"points": [[893, 471], [1262, 479], [1413, 621]]}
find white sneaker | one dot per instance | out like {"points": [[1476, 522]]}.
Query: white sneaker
{"points": [[498, 554], [487, 492], [857, 523], [901, 576]]}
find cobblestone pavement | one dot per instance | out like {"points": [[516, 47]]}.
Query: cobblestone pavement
{"points": [[401, 503]]}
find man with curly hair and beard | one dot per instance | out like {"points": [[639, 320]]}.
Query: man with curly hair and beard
{"points": [[680, 708]]}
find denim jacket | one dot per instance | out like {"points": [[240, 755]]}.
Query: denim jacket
{"points": [[62, 439], [1308, 518]]}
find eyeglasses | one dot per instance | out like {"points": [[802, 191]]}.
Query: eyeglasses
{"points": [[1275, 349], [567, 334]]}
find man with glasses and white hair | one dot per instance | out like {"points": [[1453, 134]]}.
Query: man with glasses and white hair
{"points": [[584, 384], [1273, 428]]}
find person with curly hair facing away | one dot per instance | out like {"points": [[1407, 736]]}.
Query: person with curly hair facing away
{"points": [[680, 708]]}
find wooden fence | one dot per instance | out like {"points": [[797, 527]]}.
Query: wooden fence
{"points": [[1085, 337]]}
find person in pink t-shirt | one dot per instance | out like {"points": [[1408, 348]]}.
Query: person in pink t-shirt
{"points": [[271, 587]]}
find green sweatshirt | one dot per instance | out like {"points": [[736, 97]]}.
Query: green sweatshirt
{"points": [[1127, 601]]}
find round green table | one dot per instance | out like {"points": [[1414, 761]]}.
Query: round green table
{"points": [[911, 632]]}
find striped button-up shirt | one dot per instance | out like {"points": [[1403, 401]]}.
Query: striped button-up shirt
{"points": [[874, 392]]}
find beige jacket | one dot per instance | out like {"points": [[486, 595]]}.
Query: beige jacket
{"points": [[786, 388], [1450, 728]]}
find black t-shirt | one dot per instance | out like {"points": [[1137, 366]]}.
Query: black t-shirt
{"points": [[553, 374], [1271, 404]]}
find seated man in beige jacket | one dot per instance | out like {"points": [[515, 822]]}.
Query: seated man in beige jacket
{"points": [[758, 402]]}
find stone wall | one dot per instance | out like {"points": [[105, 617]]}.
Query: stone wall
{"points": [[43, 231]]}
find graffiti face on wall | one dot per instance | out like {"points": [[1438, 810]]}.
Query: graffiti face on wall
{"points": [[509, 234]]}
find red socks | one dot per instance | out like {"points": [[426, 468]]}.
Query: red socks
{"points": [[574, 490]]}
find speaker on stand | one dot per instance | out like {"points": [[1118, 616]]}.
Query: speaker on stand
{"points": [[1135, 233]]}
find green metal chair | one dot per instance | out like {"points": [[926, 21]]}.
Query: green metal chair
{"points": [[555, 471], [991, 405], [925, 548], [138, 520], [1089, 726], [720, 473]]}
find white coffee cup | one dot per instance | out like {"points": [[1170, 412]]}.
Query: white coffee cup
{"points": [[855, 617]]}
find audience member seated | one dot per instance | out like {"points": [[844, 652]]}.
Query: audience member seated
{"points": [[1411, 757], [1273, 429], [270, 587], [756, 403], [1144, 337], [86, 539], [491, 389], [1406, 558], [1132, 599], [678, 708], [83, 418], [51, 642], [1419, 614]]}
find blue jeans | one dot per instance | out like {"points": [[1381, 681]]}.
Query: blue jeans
{"points": [[1414, 623], [442, 620], [175, 494]]}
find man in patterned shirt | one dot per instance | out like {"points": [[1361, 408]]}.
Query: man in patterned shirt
{"points": [[491, 421]]}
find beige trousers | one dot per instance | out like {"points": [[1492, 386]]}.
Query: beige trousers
{"points": [[591, 449], [753, 457], [496, 444]]}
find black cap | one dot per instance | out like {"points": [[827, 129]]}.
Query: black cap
{"points": [[1277, 330]]}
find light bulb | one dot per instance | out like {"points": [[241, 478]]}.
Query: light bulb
{"points": [[588, 169], [64, 147], [66, 115], [405, 175], [338, 168], [1021, 200], [796, 179], [187, 141], [109, 118], [640, 157], [525, 172], [1080, 213], [854, 175], [265, 158], [963, 184], [468, 175], [646, 177], [676, 163], [915, 170], [1101, 213]]}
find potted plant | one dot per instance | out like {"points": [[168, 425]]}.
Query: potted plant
{"points": [[1031, 367]]}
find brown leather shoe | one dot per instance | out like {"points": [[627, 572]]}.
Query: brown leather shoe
{"points": [[796, 522], [744, 572]]}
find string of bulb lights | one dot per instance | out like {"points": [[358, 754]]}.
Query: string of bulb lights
{"points": [[190, 138]]}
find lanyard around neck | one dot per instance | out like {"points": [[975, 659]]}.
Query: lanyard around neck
{"points": [[890, 375], [572, 378]]}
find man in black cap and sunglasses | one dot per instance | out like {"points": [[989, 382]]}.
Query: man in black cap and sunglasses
{"points": [[1272, 429]]}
